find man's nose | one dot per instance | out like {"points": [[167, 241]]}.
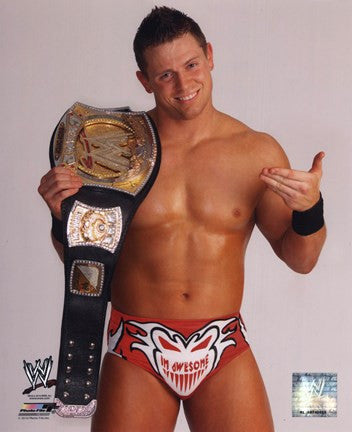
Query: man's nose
{"points": [[182, 82]]}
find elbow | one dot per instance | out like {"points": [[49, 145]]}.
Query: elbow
{"points": [[304, 267], [304, 270]]}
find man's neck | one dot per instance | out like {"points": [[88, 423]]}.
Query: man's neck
{"points": [[176, 130]]}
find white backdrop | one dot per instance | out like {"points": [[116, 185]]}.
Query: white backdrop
{"points": [[281, 66]]}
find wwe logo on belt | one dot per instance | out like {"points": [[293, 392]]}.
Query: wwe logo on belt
{"points": [[109, 150], [38, 371]]}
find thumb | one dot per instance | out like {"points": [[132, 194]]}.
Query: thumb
{"points": [[317, 165]]}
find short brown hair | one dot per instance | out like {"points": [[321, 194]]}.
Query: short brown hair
{"points": [[164, 24]]}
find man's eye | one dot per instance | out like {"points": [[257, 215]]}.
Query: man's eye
{"points": [[166, 76], [192, 65]]}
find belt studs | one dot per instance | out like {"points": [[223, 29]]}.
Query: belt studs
{"points": [[68, 369], [89, 371], [86, 396], [69, 356], [90, 358], [91, 345]]}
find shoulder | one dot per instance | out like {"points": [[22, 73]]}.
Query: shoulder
{"points": [[269, 150], [265, 148]]}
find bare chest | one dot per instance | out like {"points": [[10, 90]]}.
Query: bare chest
{"points": [[209, 185]]}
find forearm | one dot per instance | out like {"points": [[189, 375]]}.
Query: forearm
{"points": [[299, 252], [57, 236], [56, 185], [59, 247]]}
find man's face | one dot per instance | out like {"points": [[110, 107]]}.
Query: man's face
{"points": [[178, 73]]}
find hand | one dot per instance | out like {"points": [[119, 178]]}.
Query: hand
{"points": [[56, 185], [299, 189]]}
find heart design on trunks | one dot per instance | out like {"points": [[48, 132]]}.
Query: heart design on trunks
{"points": [[183, 362]]}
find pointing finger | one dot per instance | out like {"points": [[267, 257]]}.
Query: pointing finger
{"points": [[276, 180], [286, 173]]}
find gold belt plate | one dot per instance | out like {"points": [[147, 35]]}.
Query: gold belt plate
{"points": [[106, 147]]}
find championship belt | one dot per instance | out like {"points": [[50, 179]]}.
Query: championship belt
{"points": [[116, 153]]}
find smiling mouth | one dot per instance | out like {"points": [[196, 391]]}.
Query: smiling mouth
{"points": [[188, 97]]}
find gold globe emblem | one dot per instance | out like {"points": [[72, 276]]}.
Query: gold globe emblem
{"points": [[94, 226]]}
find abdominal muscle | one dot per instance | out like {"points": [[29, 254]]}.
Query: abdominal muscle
{"points": [[180, 270]]}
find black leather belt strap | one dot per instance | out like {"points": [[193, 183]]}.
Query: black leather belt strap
{"points": [[117, 154]]}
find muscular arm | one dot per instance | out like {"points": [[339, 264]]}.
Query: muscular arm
{"points": [[289, 190]]}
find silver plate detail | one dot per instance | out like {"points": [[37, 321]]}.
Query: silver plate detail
{"points": [[94, 226], [75, 410]]}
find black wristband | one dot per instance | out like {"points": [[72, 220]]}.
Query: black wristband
{"points": [[56, 229], [309, 221]]}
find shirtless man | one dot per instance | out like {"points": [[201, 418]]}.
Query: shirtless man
{"points": [[183, 257]]}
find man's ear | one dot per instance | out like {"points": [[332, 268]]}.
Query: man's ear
{"points": [[210, 55], [144, 81]]}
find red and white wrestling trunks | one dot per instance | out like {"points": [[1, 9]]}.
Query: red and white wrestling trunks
{"points": [[181, 353]]}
